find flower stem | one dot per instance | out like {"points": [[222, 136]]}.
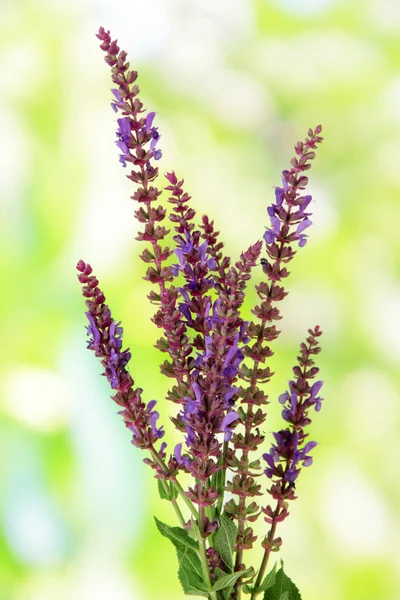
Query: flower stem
{"points": [[264, 561], [203, 554], [175, 483], [178, 512]]}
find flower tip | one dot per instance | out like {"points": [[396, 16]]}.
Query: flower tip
{"points": [[84, 268], [172, 178]]}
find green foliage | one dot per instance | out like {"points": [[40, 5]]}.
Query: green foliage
{"points": [[166, 494], [190, 571], [225, 540], [227, 580], [282, 589], [177, 535], [269, 580]]}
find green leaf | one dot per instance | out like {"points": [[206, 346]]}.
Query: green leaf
{"points": [[283, 585], [226, 593], [190, 573], [227, 580], [225, 540], [178, 536], [269, 580], [219, 481], [193, 531], [164, 494], [174, 492]]}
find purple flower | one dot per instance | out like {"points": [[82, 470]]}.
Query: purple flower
{"points": [[270, 235], [93, 331], [153, 132], [105, 338], [299, 232], [228, 419], [115, 104], [124, 137], [313, 395]]}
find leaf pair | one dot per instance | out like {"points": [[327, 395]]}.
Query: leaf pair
{"points": [[190, 572], [277, 586]]}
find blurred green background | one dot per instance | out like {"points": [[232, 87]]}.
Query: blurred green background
{"points": [[235, 83]]}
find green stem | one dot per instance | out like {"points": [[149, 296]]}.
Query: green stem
{"points": [[264, 561], [186, 500], [203, 555], [174, 503], [175, 483], [221, 497], [178, 512]]}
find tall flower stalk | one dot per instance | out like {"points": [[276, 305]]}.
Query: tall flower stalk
{"points": [[217, 360]]}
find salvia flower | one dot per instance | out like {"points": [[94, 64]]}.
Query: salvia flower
{"points": [[105, 339], [216, 358]]}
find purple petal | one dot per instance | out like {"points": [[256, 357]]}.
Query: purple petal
{"points": [[279, 195], [230, 393], [283, 398], [179, 254], [291, 475], [93, 328], [150, 119], [269, 459], [153, 419], [269, 236], [117, 94], [228, 419], [122, 146], [124, 126], [184, 294], [151, 405], [203, 251], [230, 372], [315, 388], [231, 353], [303, 225], [197, 391], [276, 225], [191, 407], [184, 309], [178, 453], [303, 205], [308, 447]]}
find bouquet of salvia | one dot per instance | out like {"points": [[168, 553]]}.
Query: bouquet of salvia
{"points": [[217, 361]]}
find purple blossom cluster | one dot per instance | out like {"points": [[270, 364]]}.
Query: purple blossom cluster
{"points": [[215, 357], [105, 339]]}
